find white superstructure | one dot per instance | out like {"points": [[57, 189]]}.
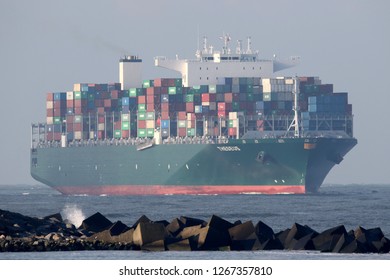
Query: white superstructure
{"points": [[130, 72], [210, 67]]}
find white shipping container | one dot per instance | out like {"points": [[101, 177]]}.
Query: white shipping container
{"points": [[49, 120], [289, 81], [150, 124], [49, 104], [232, 115], [101, 126], [77, 87], [77, 135], [266, 87], [69, 95], [125, 117]]}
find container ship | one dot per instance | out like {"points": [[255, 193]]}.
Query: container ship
{"points": [[229, 125]]}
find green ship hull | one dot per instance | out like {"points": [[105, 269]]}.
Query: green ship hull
{"points": [[270, 166]]}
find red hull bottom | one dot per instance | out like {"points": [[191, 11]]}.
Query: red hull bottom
{"points": [[179, 190]]}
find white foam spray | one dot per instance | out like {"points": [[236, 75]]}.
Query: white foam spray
{"points": [[73, 214]]}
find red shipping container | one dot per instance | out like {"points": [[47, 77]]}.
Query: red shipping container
{"points": [[50, 96], [182, 115], [142, 99], [125, 134], [117, 125], [100, 134], [213, 97], [107, 102], [101, 119], [164, 107], [221, 106], [164, 90], [141, 124], [69, 127], [150, 91], [150, 107], [101, 110], [69, 103], [171, 82], [49, 113], [205, 97], [158, 82], [115, 94], [182, 132], [190, 107], [165, 115], [232, 131], [221, 114], [77, 127], [150, 98], [69, 119], [228, 97]]}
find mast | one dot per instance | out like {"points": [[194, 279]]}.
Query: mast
{"points": [[295, 122]]}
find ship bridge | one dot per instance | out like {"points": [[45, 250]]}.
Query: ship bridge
{"points": [[210, 66]]}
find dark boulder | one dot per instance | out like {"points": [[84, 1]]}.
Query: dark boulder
{"points": [[146, 233], [243, 237], [174, 227], [219, 223], [327, 240], [95, 223], [264, 232]]}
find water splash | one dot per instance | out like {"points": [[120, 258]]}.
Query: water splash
{"points": [[73, 214]]}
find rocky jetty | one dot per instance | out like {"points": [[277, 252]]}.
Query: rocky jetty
{"points": [[19, 233]]}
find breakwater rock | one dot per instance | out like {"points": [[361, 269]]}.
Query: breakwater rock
{"points": [[19, 233]]}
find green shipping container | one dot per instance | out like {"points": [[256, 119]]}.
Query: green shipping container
{"points": [[189, 98], [149, 116], [181, 123], [77, 94], [133, 92], [117, 134], [150, 132], [172, 90], [141, 132], [212, 89], [190, 131], [125, 117], [57, 120], [142, 116], [78, 119], [142, 107], [125, 125], [147, 83]]}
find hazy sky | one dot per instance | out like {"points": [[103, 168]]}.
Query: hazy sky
{"points": [[47, 45]]}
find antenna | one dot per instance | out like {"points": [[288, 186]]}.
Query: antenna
{"points": [[226, 39], [239, 47], [198, 39], [249, 47]]}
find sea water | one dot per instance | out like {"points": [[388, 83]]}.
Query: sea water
{"points": [[350, 205]]}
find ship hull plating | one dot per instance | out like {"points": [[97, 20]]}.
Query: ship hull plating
{"points": [[269, 166]]}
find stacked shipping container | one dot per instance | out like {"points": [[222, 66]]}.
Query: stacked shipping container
{"points": [[99, 111]]}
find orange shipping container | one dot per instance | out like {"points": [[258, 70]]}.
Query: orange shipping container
{"points": [[232, 131], [182, 115], [141, 124], [142, 99]]}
